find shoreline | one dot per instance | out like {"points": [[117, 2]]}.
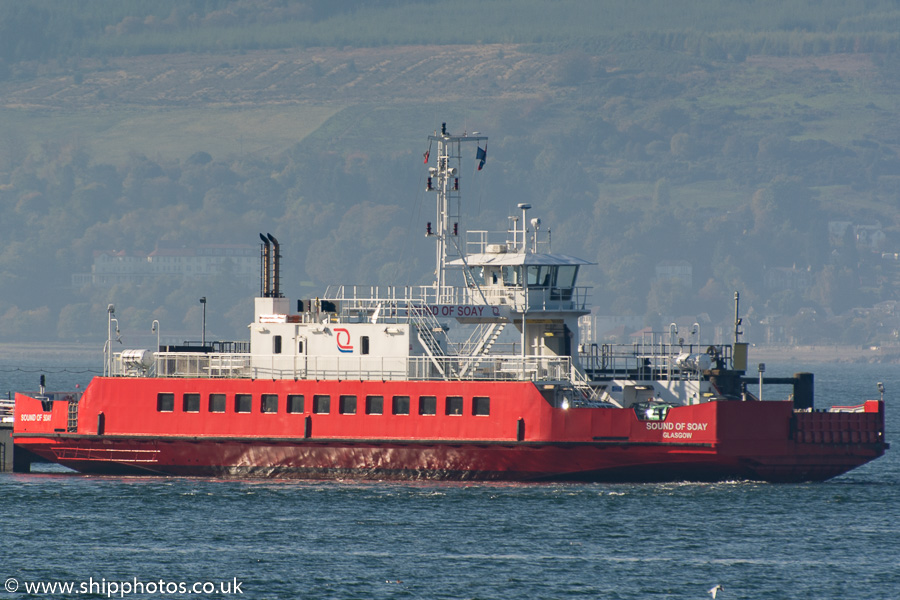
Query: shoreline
{"points": [[30, 352], [823, 354]]}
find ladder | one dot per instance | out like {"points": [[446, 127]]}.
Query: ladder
{"points": [[427, 326]]}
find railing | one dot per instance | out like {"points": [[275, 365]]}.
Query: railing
{"points": [[474, 368], [7, 410], [395, 302], [650, 361]]}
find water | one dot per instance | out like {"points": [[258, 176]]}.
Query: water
{"points": [[317, 540]]}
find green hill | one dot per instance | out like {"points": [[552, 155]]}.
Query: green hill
{"points": [[727, 135]]}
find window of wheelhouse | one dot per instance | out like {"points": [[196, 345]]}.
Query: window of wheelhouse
{"points": [[454, 405], [512, 276], [427, 405], [477, 274], [540, 275], [481, 406], [243, 403], [400, 405], [217, 403], [269, 403], [565, 276], [190, 403], [165, 402]]}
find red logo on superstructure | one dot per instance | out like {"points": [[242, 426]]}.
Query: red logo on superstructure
{"points": [[342, 336]]}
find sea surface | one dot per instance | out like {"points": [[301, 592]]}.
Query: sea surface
{"points": [[159, 537]]}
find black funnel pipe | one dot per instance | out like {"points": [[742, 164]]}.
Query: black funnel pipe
{"points": [[276, 266], [265, 274]]}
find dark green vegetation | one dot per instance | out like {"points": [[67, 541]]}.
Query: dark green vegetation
{"points": [[725, 134]]}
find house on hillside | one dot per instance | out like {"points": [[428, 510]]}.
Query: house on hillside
{"points": [[114, 267]]}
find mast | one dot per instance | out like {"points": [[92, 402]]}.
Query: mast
{"points": [[444, 180]]}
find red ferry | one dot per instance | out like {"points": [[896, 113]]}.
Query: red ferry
{"points": [[365, 382]]}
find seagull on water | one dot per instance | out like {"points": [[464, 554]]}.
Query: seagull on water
{"points": [[715, 590]]}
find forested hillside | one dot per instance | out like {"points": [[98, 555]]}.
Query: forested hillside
{"points": [[755, 140]]}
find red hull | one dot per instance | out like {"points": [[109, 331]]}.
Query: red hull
{"points": [[522, 438]]}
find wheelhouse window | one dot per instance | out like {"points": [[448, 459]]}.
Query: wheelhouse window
{"points": [[374, 405], [400, 405], [427, 405], [565, 276], [481, 406], [243, 403], [512, 276], [295, 403], [347, 405], [217, 403], [165, 402], [321, 404], [540, 275], [269, 403], [190, 403], [454, 405]]}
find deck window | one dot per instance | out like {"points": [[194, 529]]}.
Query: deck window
{"points": [[347, 405], [374, 405], [295, 403], [321, 404], [217, 403], [400, 405], [364, 343], [454, 405], [427, 405], [165, 402], [276, 344], [269, 403], [243, 403], [481, 406], [190, 403]]}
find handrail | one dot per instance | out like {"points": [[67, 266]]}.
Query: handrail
{"points": [[201, 365]]}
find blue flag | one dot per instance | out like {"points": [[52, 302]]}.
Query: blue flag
{"points": [[481, 156]]}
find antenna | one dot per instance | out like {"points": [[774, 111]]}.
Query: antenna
{"points": [[444, 181]]}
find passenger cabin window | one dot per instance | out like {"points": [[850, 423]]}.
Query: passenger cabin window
{"points": [[347, 405], [243, 403], [190, 403], [400, 405], [217, 403], [269, 403], [364, 343], [321, 404], [427, 405], [295, 403], [454, 405], [276, 344], [165, 402], [481, 406], [374, 405]]}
